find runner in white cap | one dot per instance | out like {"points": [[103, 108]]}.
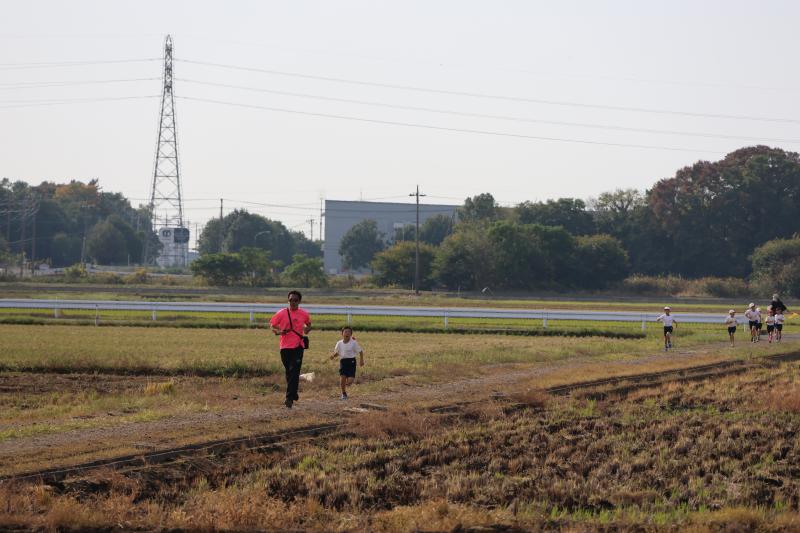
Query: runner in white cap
{"points": [[730, 321], [752, 319], [669, 323]]}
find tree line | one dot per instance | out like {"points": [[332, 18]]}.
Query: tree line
{"points": [[710, 219], [736, 217], [62, 224]]}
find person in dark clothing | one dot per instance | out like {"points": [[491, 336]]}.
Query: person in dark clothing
{"points": [[777, 305], [292, 324]]}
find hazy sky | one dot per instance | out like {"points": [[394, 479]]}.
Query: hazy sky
{"points": [[526, 71]]}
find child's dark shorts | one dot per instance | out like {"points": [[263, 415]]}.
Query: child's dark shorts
{"points": [[667, 329], [347, 367], [770, 327], [779, 327], [731, 329], [753, 324]]}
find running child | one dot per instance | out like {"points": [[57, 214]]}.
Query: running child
{"points": [[750, 315], [347, 349], [779, 318], [669, 323], [759, 324], [770, 321], [730, 321]]}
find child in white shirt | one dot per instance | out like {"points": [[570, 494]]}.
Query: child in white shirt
{"points": [[770, 322], [347, 349], [779, 318], [669, 322], [730, 321]]}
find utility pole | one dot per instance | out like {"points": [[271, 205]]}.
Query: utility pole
{"points": [[311, 225], [33, 237], [321, 214], [416, 238], [221, 229]]}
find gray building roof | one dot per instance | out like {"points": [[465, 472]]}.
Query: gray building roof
{"points": [[341, 215]]}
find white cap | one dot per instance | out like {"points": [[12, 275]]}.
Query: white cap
{"points": [[751, 304], [758, 309], [775, 296], [666, 308], [732, 311]]}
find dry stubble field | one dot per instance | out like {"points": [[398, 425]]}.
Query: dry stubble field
{"points": [[708, 454]]}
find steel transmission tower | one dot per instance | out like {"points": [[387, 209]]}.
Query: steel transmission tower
{"points": [[166, 205]]}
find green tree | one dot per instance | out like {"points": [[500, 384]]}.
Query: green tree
{"points": [[464, 259], [599, 260], [435, 229], [65, 250], [306, 272], [360, 244], [481, 207], [776, 266], [106, 244], [397, 265], [258, 267], [519, 257], [569, 213], [219, 269]]}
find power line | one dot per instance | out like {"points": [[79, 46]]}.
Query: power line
{"points": [[488, 116], [449, 129], [56, 64], [65, 101], [491, 96], [44, 84]]}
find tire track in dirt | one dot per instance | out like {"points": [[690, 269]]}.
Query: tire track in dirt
{"points": [[619, 385]]}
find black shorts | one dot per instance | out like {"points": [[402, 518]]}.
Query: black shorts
{"points": [[732, 329], [779, 327], [753, 324], [758, 325], [667, 329], [347, 367], [770, 327]]}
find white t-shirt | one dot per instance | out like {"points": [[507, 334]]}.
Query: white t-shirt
{"points": [[347, 350], [779, 318], [750, 315], [770, 320], [666, 319], [730, 321]]}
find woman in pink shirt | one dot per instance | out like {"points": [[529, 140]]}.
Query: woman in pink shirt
{"points": [[292, 324]]}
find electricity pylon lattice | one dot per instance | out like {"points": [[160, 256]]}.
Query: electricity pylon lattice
{"points": [[166, 205]]}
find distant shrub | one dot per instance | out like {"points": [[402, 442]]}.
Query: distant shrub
{"points": [[74, 273], [139, 277], [106, 278], [718, 287], [656, 285]]}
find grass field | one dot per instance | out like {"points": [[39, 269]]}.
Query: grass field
{"points": [[664, 456]]}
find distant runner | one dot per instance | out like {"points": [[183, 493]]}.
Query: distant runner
{"points": [[752, 320], [730, 321], [759, 324], [777, 305], [347, 349], [669, 323], [770, 321], [779, 318]]}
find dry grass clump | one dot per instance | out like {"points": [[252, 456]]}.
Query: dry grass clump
{"points": [[159, 388], [783, 397], [394, 423], [534, 398]]}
